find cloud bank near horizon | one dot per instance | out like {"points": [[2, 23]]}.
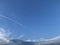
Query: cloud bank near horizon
{"points": [[5, 37], [51, 41]]}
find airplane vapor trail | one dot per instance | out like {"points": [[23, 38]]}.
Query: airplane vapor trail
{"points": [[12, 20]]}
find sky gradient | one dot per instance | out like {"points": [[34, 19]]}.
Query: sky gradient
{"points": [[37, 18]]}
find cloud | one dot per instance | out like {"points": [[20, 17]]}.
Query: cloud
{"points": [[31, 40], [28, 40], [55, 40], [3, 36], [6, 34]]}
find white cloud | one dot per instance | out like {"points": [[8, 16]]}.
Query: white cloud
{"points": [[28, 40], [3, 36], [52, 40]]}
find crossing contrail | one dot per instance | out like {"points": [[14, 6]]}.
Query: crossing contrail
{"points": [[12, 20], [6, 17]]}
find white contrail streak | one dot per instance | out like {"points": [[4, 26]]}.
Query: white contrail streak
{"points": [[19, 37], [12, 20], [6, 17]]}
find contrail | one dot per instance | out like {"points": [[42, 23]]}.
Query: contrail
{"points": [[12, 20], [17, 37], [20, 36]]}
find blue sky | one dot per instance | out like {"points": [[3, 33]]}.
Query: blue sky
{"points": [[39, 18]]}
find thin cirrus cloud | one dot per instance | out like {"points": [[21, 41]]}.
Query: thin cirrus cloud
{"points": [[55, 40], [5, 35]]}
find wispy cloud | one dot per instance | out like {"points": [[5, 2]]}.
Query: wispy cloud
{"points": [[54, 40], [28, 40], [3, 36]]}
